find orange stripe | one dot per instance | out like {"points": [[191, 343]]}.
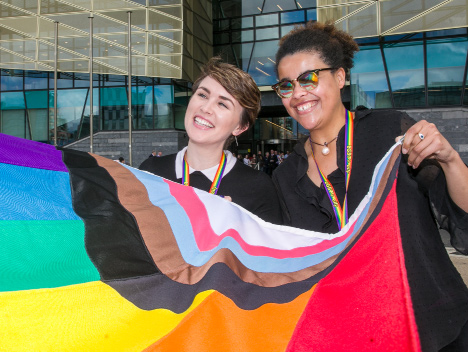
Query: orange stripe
{"points": [[219, 325]]}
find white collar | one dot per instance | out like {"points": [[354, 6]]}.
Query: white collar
{"points": [[210, 172]]}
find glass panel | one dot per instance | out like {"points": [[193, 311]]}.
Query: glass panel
{"points": [[242, 36], [222, 25], [84, 127], [70, 105], [221, 38], [286, 29], [312, 15], [142, 107], [465, 99], [12, 101], [11, 80], [406, 75], [236, 8], [368, 81], [164, 98], [82, 80], [35, 80], [262, 67], [113, 80], [114, 107], [37, 120], [446, 32], [13, 123], [242, 22], [37, 115], [64, 80], [36, 99], [266, 20], [292, 17], [266, 33], [179, 117], [445, 67], [181, 96], [279, 5], [237, 54]]}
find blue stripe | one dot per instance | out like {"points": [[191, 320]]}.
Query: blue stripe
{"points": [[34, 194], [159, 195]]}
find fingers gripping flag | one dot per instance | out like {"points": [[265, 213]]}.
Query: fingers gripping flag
{"points": [[99, 256]]}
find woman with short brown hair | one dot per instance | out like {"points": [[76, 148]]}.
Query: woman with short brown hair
{"points": [[224, 104]]}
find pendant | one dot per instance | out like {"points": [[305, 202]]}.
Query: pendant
{"points": [[325, 149]]}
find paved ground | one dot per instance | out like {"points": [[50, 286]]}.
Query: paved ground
{"points": [[459, 260]]}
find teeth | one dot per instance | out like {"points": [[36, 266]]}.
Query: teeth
{"points": [[202, 122], [304, 107]]}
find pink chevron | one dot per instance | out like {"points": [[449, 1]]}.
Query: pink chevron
{"points": [[207, 239]]}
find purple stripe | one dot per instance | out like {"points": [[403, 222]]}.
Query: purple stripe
{"points": [[23, 152]]}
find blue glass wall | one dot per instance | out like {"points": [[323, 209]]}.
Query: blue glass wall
{"points": [[411, 71], [414, 70], [246, 32], [27, 104]]}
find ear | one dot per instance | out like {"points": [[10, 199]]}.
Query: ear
{"points": [[340, 75], [239, 130]]}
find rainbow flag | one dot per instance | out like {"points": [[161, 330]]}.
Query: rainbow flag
{"points": [[99, 256]]}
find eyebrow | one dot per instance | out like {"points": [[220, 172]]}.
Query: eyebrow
{"points": [[288, 79], [221, 96]]}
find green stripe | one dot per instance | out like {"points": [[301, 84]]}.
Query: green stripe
{"points": [[43, 254]]}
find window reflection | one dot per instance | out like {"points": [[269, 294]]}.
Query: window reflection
{"points": [[11, 80], [368, 81], [262, 67], [37, 115], [292, 17], [266, 20], [406, 75], [445, 67], [13, 114]]}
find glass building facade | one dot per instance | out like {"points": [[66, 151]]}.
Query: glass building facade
{"points": [[413, 54], [152, 41], [27, 102]]}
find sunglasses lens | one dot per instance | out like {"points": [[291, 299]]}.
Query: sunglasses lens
{"points": [[285, 89], [308, 80]]}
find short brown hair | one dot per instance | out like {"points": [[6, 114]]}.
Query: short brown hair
{"points": [[335, 47], [237, 83]]}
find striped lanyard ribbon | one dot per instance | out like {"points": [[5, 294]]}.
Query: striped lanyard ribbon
{"points": [[341, 213], [217, 179]]}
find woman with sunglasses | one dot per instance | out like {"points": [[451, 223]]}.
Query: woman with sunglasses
{"points": [[312, 63], [225, 103]]}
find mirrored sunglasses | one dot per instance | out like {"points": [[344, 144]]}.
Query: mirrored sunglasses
{"points": [[307, 80]]}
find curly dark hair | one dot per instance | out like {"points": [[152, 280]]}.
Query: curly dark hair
{"points": [[335, 47]]}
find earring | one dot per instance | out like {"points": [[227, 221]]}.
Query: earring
{"points": [[235, 137]]}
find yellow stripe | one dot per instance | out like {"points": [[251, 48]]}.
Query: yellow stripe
{"points": [[85, 317]]}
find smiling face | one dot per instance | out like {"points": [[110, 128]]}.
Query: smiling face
{"points": [[212, 114], [318, 108]]}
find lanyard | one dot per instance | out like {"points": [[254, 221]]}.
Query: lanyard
{"points": [[341, 213], [217, 179]]}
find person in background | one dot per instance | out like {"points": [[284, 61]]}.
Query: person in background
{"points": [[272, 162], [312, 65], [266, 163], [253, 162], [246, 160], [225, 103]]}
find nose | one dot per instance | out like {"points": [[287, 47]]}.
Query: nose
{"points": [[207, 107], [298, 90]]}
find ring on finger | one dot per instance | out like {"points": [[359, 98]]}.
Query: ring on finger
{"points": [[421, 136]]}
